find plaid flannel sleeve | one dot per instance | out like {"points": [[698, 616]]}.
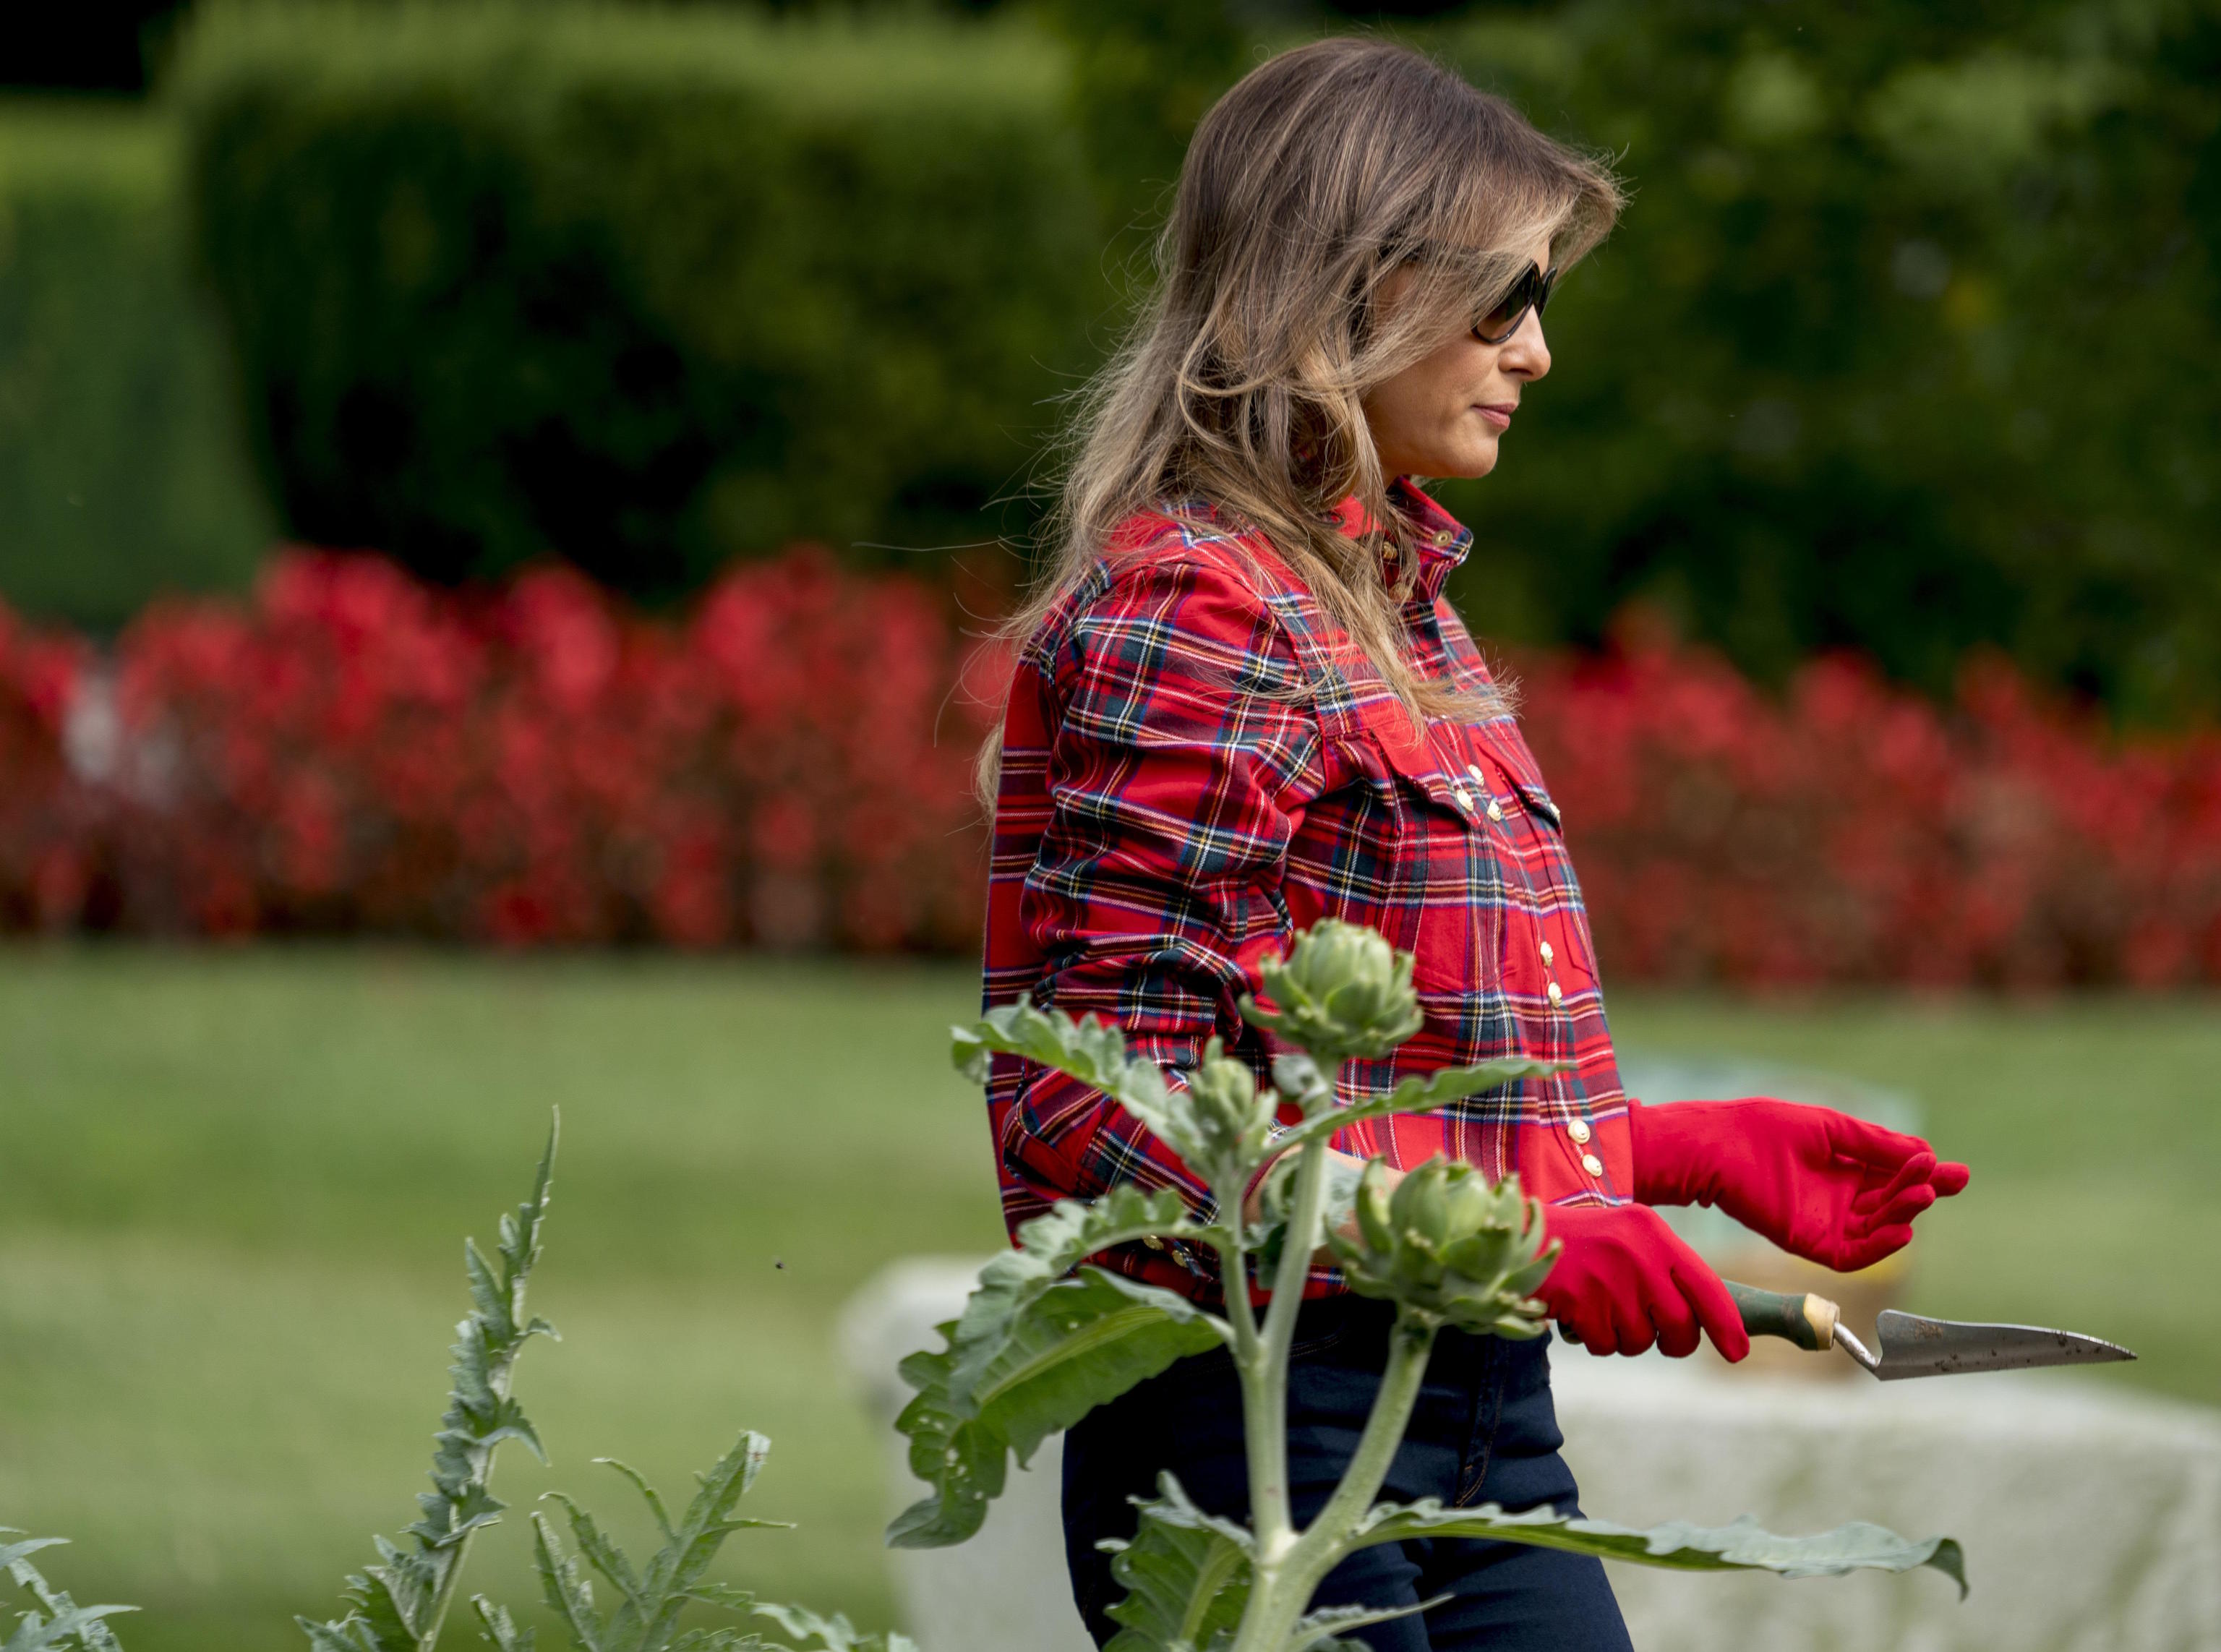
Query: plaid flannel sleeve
{"points": [[1180, 754]]}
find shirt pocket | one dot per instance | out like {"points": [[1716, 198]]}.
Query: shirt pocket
{"points": [[1435, 883], [1406, 754], [1539, 803]]}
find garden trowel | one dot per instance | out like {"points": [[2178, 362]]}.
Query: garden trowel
{"points": [[1910, 1346]]}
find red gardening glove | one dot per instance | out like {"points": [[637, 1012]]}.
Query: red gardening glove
{"points": [[1833, 1189], [1625, 1281]]}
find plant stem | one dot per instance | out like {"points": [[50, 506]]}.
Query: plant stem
{"points": [[1409, 1343], [1265, 1381], [1281, 1588], [449, 1580], [498, 1380]]}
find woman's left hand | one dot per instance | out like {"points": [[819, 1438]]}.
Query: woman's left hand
{"points": [[1833, 1189]]}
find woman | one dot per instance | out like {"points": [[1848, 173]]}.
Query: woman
{"points": [[1242, 705]]}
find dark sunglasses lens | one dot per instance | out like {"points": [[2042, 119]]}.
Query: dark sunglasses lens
{"points": [[1530, 290]]}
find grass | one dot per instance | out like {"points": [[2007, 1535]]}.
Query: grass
{"points": [[232, 1187]]}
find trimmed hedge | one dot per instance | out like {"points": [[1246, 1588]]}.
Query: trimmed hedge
{"points": [[122, 468], [647, 288]]}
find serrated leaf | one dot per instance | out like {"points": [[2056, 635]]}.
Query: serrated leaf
{"points": [[653, 1597], [1049, 1248], [702, 1530], [567, 1592], [1075, 1344], [1320, 1632], [396, 1601], [334, 1637], [1090, 1051], [1186, 1575], [501, 1629], [836, 1634], [1420, 1094], [725, 1595], [64, 1622], [36, 1633], [11, 1553], [598, 1551], [1741, 1546], [833, 1634], [647, 1493]]}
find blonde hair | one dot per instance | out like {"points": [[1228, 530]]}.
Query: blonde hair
{"points": [[1323, 172]]}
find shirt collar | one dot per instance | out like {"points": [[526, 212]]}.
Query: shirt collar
{"points": [[1442, 540]]}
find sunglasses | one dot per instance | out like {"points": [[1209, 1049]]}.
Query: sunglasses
{"points": [[1530, 292]]}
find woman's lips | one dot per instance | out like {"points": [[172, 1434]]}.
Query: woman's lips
{"points": [[1498, 413]]}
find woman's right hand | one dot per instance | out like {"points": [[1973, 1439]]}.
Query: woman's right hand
{"points": [[1626, 1282]]}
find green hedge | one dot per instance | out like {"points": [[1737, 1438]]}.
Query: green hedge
{"points": [[647, 288], [121, 472]]}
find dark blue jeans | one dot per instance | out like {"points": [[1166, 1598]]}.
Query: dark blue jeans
{"points": [[1484, 1431]]}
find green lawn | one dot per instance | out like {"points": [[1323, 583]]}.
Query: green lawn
{"points": [[232, 1187]]}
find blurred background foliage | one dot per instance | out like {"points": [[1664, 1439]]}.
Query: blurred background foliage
{"points": [[119, 464], [1905, 343]]}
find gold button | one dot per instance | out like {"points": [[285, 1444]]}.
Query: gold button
{"points": [[1153, 1241], [1579, 1129], [1464, 797], [1549, 956], [1556, 996], [1442, 536], [1594, 1165], [1494, 813], [1479, 778]]}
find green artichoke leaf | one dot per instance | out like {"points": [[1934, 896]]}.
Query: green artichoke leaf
{"points": [[392, 1603], [65, 1623], [501, 1629], [564, 1584], [651, 1597], [1088, 1050], [1741, 1546], [1018, 1377], [833, 1634], [1420, 1094], [1186, 1575], [1320, 1632], [1049, 1248]]}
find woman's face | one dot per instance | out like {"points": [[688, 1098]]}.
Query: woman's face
{"points": [[1443, 415]]}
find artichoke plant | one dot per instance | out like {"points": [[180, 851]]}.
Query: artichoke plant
{"points": [[1046, 1339]]}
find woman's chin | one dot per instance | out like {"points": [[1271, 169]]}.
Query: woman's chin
{"points": [[1472, 460]]}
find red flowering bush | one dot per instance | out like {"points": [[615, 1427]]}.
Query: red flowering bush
{"points": [[1851, 831], [357, 752], [47, 826]]}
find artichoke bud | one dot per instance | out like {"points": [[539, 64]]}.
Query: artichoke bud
{"points": [[1341, 990], [1449, 1245], [1228, 1111], [1374, 1221]]}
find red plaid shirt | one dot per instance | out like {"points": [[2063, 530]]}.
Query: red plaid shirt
{"points": [[1195, 766]]}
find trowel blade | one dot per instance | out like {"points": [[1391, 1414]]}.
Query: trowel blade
{"points": [[1914, 1347]]}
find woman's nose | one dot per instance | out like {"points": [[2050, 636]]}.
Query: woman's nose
{"points": [[1526, 353]]}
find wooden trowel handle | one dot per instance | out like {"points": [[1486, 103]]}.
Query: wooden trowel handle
{"points": [[1808, 1321]]}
